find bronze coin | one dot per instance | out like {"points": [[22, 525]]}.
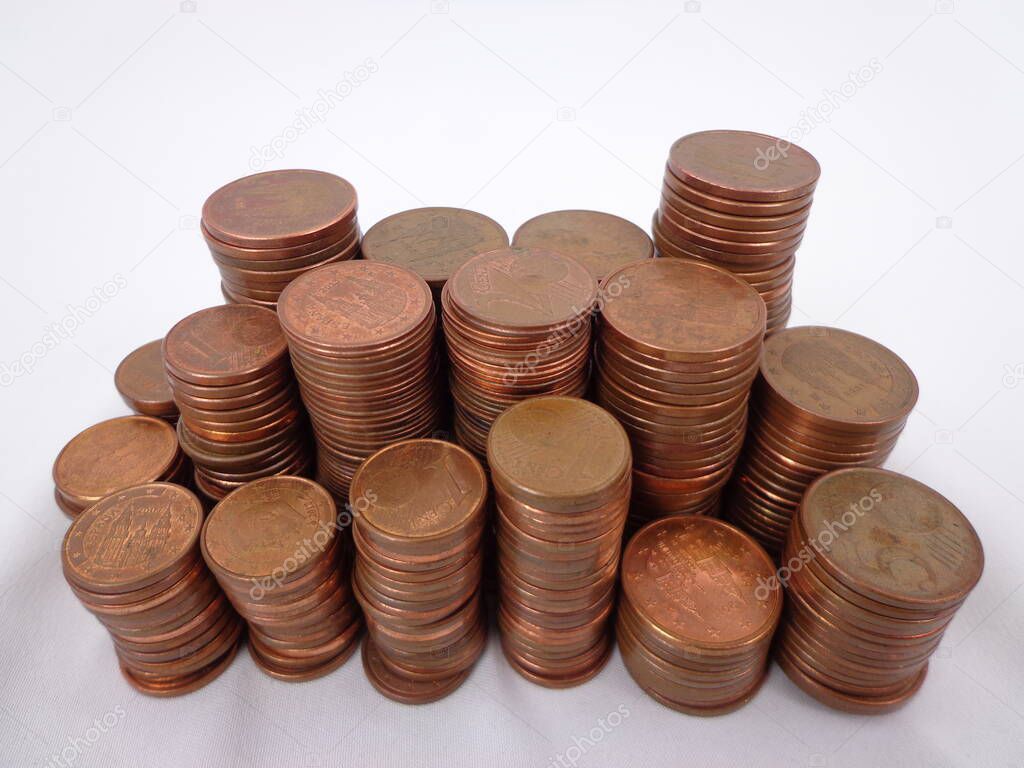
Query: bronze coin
{"points": [[142, 383]]}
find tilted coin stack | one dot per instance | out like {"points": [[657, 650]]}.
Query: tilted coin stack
{"points": [[133, 560], [275, 548], [877, 564], [739, 200], [824, 399], [561, 473], [693, 628], [141, 381], [241, 418], [363, 344], [419, 526], [517, 322], [601, 242], [113, 455], [677, 350], [267, 229]]}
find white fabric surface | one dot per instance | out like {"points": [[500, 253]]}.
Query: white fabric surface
{"points": [[119, 119]]}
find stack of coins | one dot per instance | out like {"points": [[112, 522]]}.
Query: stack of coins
{"points": [[276, 550], [265, 230], [362, 342], [241, 418], [517, 322], [560, 468], [876, 567], [824, 399], [599, 241], [694, 629], [418, 532], [432, 242], [739, 200], [114, 455], [677, 350], [142, 382], [133, 560]]}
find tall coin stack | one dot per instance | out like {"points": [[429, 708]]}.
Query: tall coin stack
{"points": [[739, 200], [878, 564], [362, 342], [693, 628], [133, 560], [825, 399], [677, 350], [265, 230], [241, 418], [561, 473], [274, 547], [113, 455], [517, 322], [420, 520]]}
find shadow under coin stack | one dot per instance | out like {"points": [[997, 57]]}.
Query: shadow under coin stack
{"points": [[420, 519], [265, 230], [825, 399], [362, 342], [142, 382], [739, 200], [560, 468], [677, 350], [275, 549], [114, 455], [517, 323], [241, 418], [694, 629], [599, 241], [878, 566], [133, 560]]}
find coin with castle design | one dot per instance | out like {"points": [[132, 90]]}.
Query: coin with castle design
{"points": [[268, 523], [684, 310], [132, 538], [523, 288], [224, 345], [419, 489], [432, 242], [839, 375], [899, 541]]}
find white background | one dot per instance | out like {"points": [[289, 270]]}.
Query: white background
{"points": [[120, 118]]}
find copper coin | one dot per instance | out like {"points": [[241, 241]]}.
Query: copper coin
{"points": [[142, 383]]}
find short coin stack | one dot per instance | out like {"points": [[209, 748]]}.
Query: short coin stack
{"points": [[560, 468], [693, 627], [362, 342], [113, 455], [599, 241], [265, 230], [878, 565], [133, 560], [739, 200], [142, 382], [420, 522], [241, 418], [825, 399], [678, 346], [276, 550], [517, 322]]}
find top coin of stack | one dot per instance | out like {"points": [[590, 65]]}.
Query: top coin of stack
{"points": [[601, 242], [678, 347], [113, 455], [241, 418], [825, 399], [142, 382], [878, 566], [517, 323], [432, 242], [739, 200], [265, 230]]}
